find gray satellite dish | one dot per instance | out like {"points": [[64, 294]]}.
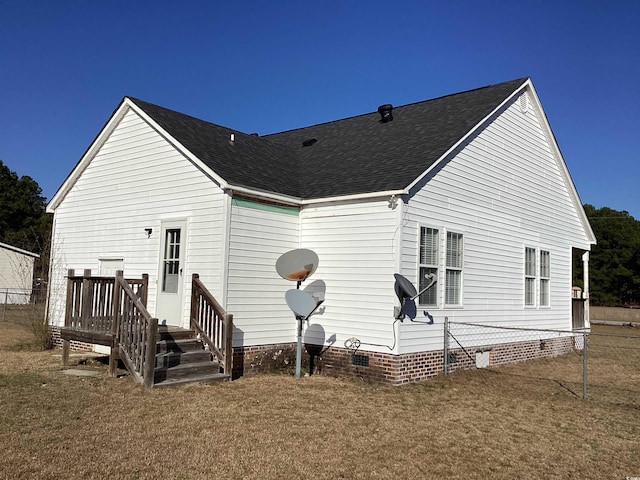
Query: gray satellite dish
{"points": [[406, 291], [300, 302], [297, 265], [403, 287]]}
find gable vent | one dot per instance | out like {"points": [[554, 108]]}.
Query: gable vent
{"points": [[524, 103], [309, 141], [385, 112]]}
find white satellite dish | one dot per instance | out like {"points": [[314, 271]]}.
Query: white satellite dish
{"points": [[300, 302], [297, 265]]}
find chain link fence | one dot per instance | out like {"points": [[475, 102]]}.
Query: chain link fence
{"points": [[601, 362], [17, 304]]}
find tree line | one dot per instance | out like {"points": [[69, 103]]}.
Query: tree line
{"points": [[23, 221], [614, 264]]}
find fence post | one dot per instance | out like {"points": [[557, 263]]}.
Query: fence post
{"points": [[445, 350], [6, 300], [585, 338]]}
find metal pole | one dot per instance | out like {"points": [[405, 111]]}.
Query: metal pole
{"points": [[6, 299], [445, 351], [299, 347], [585, 338]]}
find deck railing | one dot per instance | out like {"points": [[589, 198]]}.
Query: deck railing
{"points": [[112, 311], [91, 300], [212, 323], [135, 331]]}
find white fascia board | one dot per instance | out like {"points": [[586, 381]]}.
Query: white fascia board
{"points": [[18, 250], [357, 196], [296, 201], [97, 143], [263, 194], [555, 149], [471, 132]]}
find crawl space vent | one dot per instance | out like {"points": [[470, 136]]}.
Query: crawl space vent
{"points": [[360, 360]]}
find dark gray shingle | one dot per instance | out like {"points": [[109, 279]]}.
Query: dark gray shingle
{"points": [[351, 156]]}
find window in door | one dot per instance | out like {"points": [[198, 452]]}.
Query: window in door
{"points": [[171, 261]]}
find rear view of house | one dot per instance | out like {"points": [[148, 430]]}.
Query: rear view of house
{"points": [[469, 190]]}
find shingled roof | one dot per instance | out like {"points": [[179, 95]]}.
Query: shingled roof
{"points": [[350, 156]]}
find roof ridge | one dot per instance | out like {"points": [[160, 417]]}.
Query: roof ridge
{"points": [[521, 80]]}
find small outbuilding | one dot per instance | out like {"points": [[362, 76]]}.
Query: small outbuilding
{"points": [[16, 274]]}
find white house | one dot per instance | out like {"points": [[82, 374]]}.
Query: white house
{"points": [[471, 187], [16, 274]]}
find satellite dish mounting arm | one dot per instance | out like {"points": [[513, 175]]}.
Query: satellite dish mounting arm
{"points": [[433, 279]]}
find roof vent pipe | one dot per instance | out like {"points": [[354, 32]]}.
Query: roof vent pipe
{"points": [[385, 112]]}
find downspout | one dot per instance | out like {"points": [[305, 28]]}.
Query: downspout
{"points": [[585, 293]]}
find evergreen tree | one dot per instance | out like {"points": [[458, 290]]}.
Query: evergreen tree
{"points": [[23, 222], [615, 261]]}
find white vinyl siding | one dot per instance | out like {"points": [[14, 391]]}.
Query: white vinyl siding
{"points": [[503, 190], [429, 248], [356, 247], [259, 234], [135, 181]]}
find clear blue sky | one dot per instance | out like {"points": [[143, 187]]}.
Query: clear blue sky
{"points": [[274, 65]]}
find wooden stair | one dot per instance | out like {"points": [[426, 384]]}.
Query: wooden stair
{"points": [[182, 359]]}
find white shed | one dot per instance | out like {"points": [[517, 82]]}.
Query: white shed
{"points": [[16, 274]]}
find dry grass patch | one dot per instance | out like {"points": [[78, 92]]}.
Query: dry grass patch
{"points": [[510, 423]]}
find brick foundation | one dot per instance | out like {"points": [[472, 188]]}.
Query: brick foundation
{"points": [[373, 366], [387, 368], [265, 358], [56, 342], [508, 353]]}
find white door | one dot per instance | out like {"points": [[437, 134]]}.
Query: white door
{"points": [[170, 276]]}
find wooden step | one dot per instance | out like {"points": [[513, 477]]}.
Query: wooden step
{"points": [[177, 346], [173, 359], [169, 332], [174, 382], [181, 359], [185, 371]]}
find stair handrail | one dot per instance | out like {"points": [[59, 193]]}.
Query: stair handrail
{"points": [[135, 332], [212, 323]]}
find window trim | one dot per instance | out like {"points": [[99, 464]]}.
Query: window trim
{"points": [[454, 268], [436, 266], [529, 278], [544, 279]]}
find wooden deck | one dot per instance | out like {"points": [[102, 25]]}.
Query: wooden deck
{"points": [[112, 311]]}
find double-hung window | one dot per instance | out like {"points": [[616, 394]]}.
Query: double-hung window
{"points": [[545, 275], [453, 280], [429, 248], [537, 273], [530, 276]]}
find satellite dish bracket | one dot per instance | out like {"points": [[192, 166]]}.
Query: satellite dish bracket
{"points": [[434, 280]]}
